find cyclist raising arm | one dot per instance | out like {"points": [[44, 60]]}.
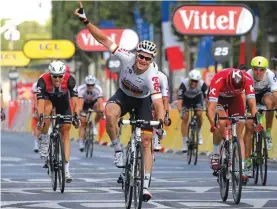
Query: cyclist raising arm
{"points": [[138, 80]]}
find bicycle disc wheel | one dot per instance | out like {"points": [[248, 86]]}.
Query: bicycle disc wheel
{"points": [[236, 171], [263, 161], [195, 144], [61, 161], [139, 176], [128, 188], [51, 164], [190, 143], [223, 172]]}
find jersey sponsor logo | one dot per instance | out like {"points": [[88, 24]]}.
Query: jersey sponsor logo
{"points": [[236, 73], [156, 83], [275, 78], [131, 87], [212, 91], [251, 88]]}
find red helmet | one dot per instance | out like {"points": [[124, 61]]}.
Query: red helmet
{"points": [[235, 80]]}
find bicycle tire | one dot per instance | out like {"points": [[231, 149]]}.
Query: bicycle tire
{"points": [[222, 174], [190, 144], [257, 151], [51, 164], [128, 189], [263, 157], [139, 180], [91, 139], [61, 161], [195, 144], [253, 157], [238, 179]]}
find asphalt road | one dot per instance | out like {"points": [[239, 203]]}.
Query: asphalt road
{"points": [[25, 184]]}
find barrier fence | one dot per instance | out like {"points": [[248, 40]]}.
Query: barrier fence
{"points": [[19, 119]]}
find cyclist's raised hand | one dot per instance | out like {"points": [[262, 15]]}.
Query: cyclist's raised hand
{"points": [[80, 12]]}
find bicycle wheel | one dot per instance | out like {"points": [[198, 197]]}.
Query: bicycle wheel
{"points": [[60, 161], [262, 159], [51, 164], [236, 171], [139, 176], [256, 166], [128, 188], [253, 157], [195, 144], [191, 134], [223, 172]]}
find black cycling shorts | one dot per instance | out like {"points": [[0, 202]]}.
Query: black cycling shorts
{"points": [[142, 106], [195, 102]]}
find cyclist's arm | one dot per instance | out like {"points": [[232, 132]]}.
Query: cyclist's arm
{"points": [[211, 111], [41, 93], [204, 90], [252, 106], [273, 87], [250, 95], [165, 103], [73, 90], [101, 37], [153, 85], [181, 91], [100, 99]]}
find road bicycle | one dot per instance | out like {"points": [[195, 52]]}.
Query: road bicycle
{"points": [[89, 135]]}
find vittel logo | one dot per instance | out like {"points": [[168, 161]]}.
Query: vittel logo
{"points": [[213, 19], [89, 40]]}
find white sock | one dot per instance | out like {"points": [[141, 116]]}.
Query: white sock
{"points": [[242, 163], [146, 180], [200, 131], [116, 145], [185, 139], [66, 167], [216, 149]]}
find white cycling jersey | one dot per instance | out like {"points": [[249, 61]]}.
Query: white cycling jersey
{"points": [[185, 90], [269, 81], [89, 96], [163, 84], [137, 85]]}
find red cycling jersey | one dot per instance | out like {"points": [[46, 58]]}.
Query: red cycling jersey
{"points": [[218, 87]]}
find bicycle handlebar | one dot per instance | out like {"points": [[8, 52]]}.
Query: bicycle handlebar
{"points": [[265, 110], [58, 116], [233, 119], [136, 122]]}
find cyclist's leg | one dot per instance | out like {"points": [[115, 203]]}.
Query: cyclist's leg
{"points": [[144, 111], [268, 101], [249, 128], [44, 137], [98, 116], [116, 107], [187, 102], [63, 108]]}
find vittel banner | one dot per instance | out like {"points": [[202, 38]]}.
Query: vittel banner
{"points": [[232, 20]]}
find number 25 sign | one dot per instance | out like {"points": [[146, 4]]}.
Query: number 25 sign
{"points": [[221, 51]]}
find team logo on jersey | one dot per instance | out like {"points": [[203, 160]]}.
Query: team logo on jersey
{"points": [[131, 87], [212, 91], [156, 83]]}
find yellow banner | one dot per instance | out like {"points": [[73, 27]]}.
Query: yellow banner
{"points": [[49, 49], [13, 59]]}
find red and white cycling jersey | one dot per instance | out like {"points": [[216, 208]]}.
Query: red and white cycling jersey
{"points": [[218, 87], [163, 83]]}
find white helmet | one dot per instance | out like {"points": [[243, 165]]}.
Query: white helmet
{"points": [[195, 75], [90, 80], [147, 47], [56, 68]]}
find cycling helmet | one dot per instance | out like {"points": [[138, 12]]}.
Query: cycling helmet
{"points": [[259, 62], [56, 68], [90, 80], [235, 80], [147, 47], [195, 75]]}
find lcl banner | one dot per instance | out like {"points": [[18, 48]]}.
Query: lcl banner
{"points": [[125, 38], [213, 19]]}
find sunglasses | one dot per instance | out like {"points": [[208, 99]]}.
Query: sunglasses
{"points": [[57, 76], [143, 57], [194, 81], [259, 69], [90, 85]]}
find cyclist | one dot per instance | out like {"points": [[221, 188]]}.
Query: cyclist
{"points": [[91, 97], [3, 116], [35, 117], [53, 90], [226, 89], [138, 80], [191, 93], [265, 85], [164, 90], [274, 64]]}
